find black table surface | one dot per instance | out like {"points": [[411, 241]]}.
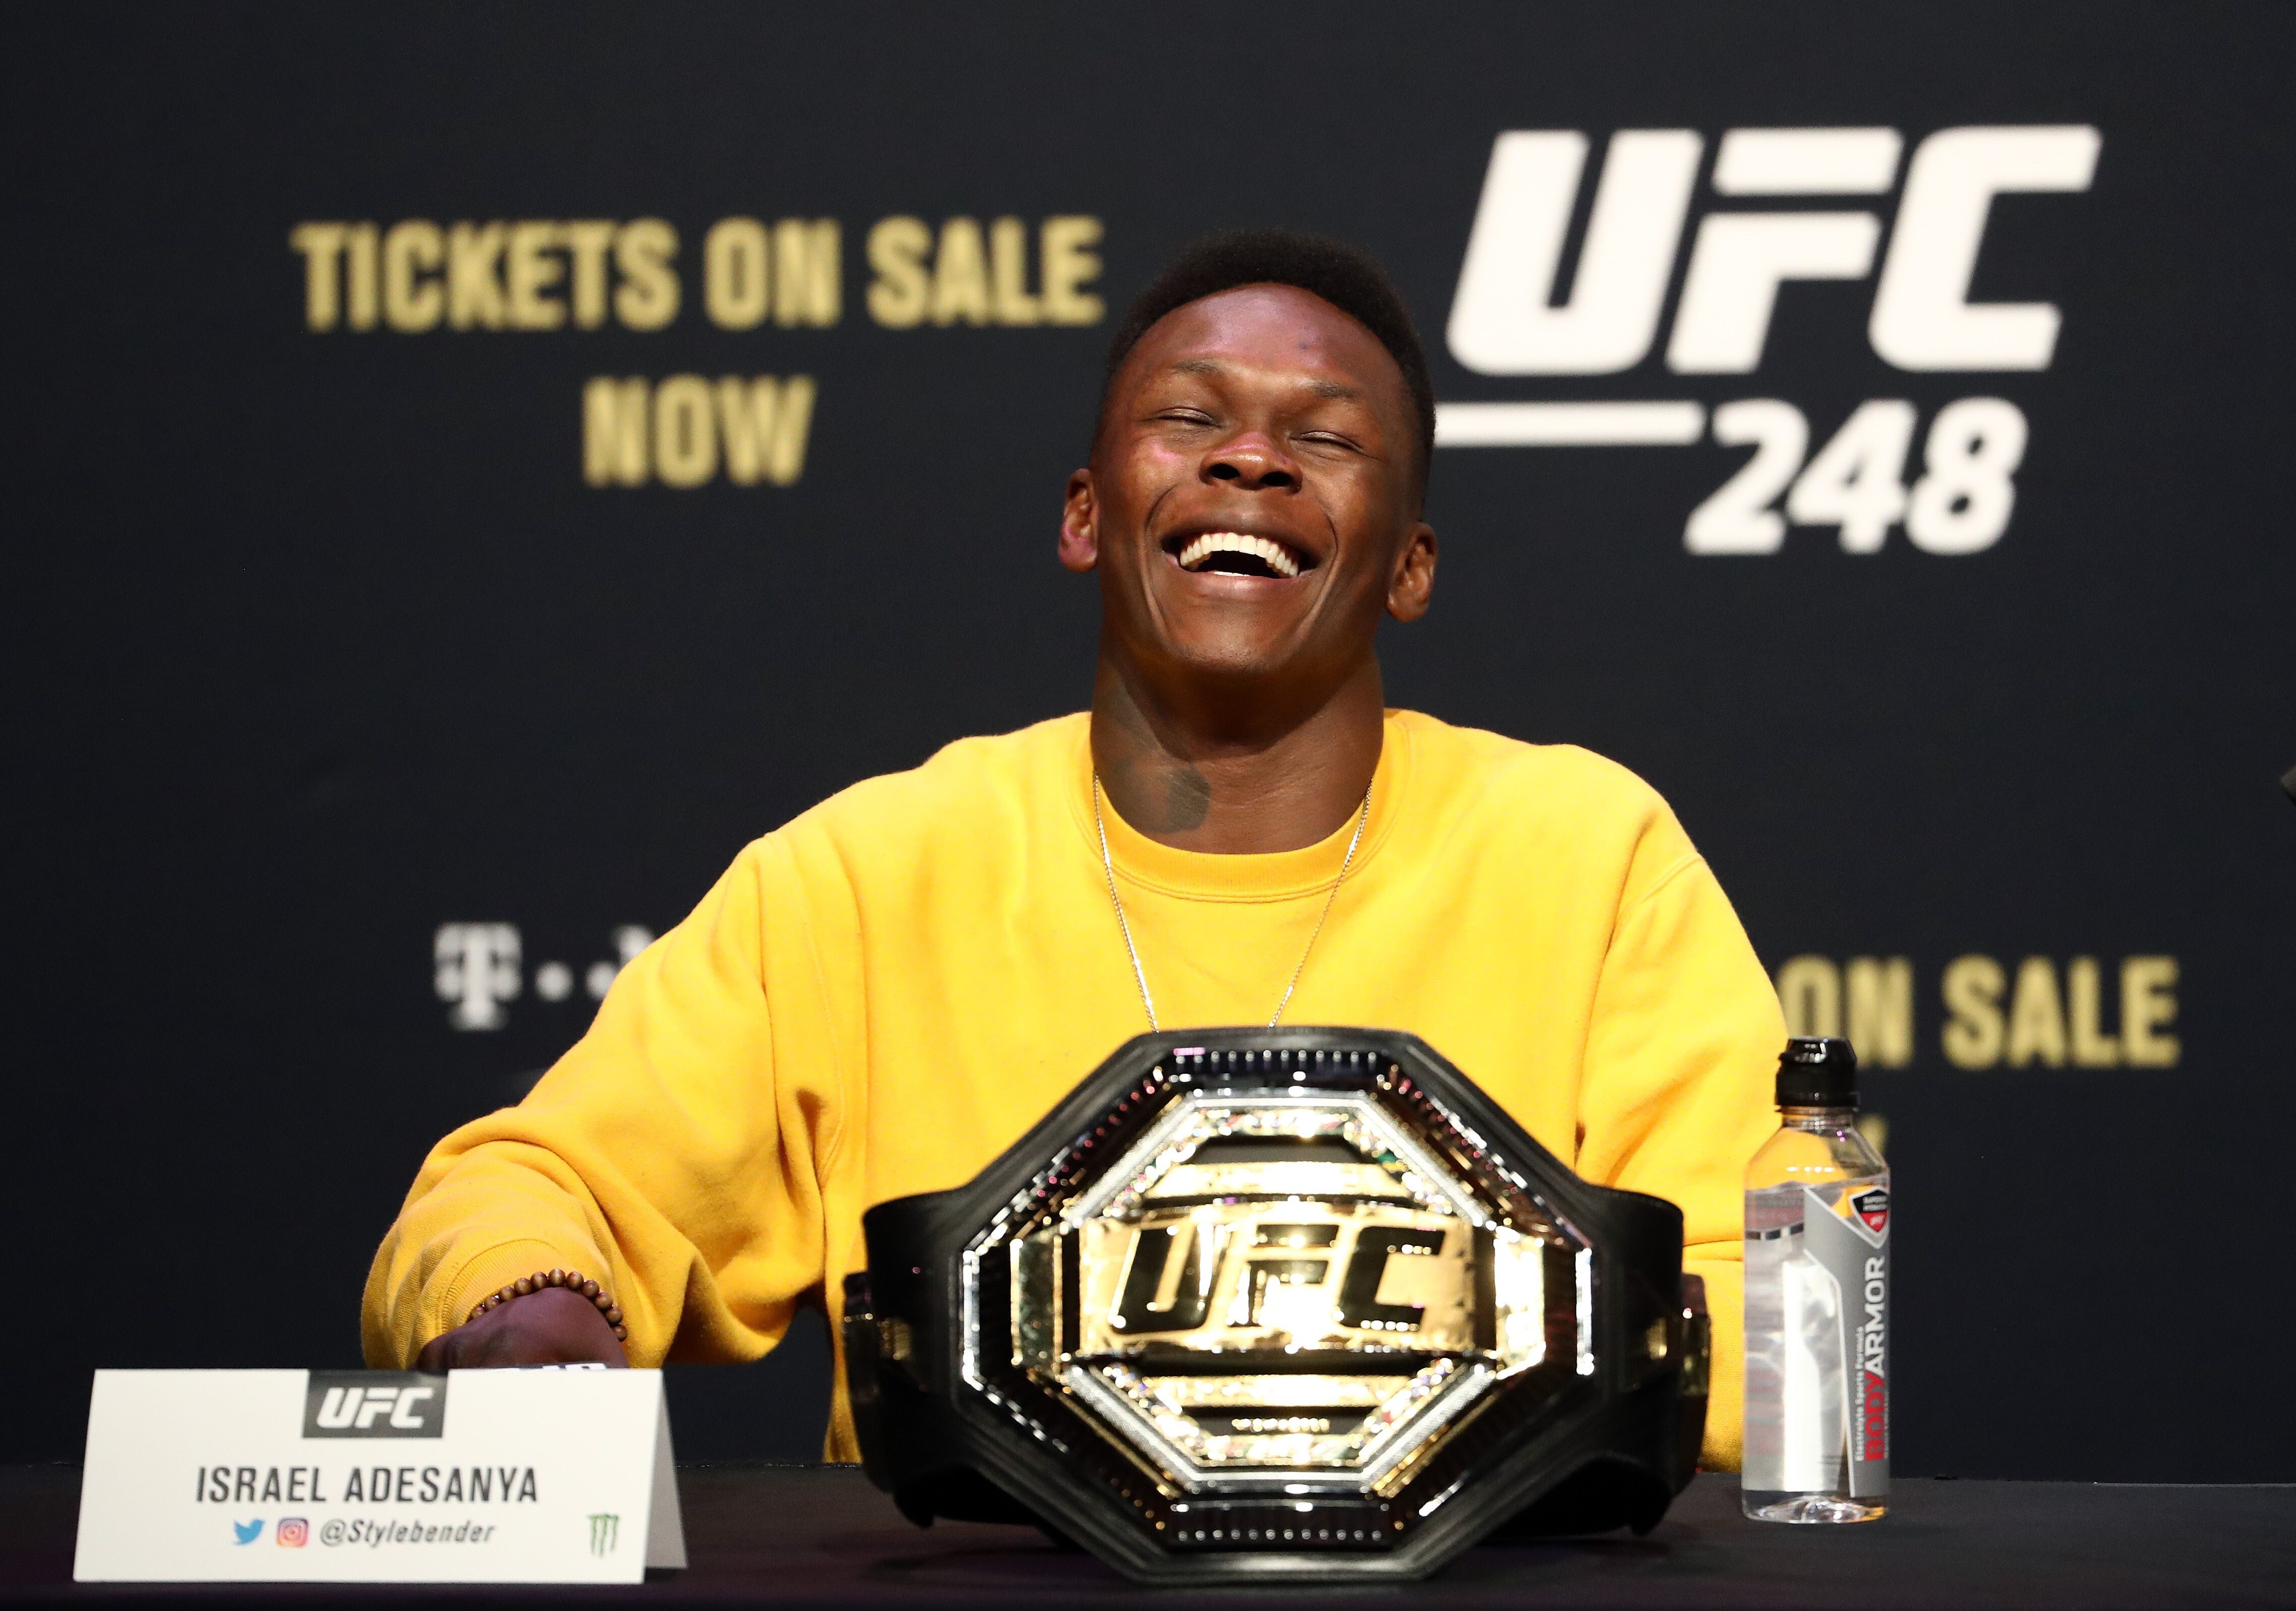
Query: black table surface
{"points": [[820, 1536]]}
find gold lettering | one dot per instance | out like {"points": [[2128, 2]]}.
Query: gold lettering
{"points": [[1008, 256], [1070, 263], [359, 299], [959, 274], [647, 297], [530, 268], [2036, 1016], [896, 249], [733, 285], [321, 245], [1809, 992], [2092, 1048], [414, 298], [588, 240], [1880, 992], [2148, 1004], [1972, 989], [763, 424], [684, 432], [473, 291], [808, 273], [614, 433]]}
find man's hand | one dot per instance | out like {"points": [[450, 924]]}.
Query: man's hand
{"points": [[552, 1326]]}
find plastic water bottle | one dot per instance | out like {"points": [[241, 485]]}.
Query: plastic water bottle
{"points": [[1817, 1301]]}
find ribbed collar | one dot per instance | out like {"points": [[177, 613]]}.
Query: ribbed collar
{"points": [[1277, 875]]}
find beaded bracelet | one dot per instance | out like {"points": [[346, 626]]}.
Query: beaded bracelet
{"points": [[572, 1280]]}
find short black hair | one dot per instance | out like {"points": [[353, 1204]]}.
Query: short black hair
{"points": [[1348, 277]]}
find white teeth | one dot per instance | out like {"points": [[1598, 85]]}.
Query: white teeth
{"points": [[1230, 542]]}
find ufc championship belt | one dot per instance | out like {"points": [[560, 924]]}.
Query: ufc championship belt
{"points": [[1297, 1302]]}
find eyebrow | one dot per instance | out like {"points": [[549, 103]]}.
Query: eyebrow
{"points": [[1213, 366]]}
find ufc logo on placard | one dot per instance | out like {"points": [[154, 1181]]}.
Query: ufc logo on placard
{"points": [[374, 1403], [1521, 309]]}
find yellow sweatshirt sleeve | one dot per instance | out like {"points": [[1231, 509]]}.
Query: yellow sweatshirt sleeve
{"points": [[1681, 1053], [668, 1155]]}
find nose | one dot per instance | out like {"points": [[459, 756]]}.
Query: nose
{"points": [[1252, 461]]}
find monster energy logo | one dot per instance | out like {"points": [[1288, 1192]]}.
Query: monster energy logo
{"points": [[604, 1530]]}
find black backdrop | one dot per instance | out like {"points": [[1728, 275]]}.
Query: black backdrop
{"points": [[322, 641]]}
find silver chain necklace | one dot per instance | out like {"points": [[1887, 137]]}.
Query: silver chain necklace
{"points": [[1140, 974]]}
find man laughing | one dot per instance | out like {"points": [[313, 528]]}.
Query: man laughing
{"points": [[879, 997]]}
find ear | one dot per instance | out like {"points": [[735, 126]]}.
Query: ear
{"points": [[1412, 583], [1079, 547]]}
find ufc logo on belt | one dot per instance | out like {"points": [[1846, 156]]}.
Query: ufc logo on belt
{"points": [[1289, 1274]]}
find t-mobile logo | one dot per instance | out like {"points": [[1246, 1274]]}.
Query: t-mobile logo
{"points": [[477, 967]]}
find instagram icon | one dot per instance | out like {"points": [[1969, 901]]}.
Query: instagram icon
{"points": [[294, 1533]]}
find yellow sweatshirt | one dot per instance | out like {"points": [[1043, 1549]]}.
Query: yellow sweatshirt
{"points": [[881, 996]]}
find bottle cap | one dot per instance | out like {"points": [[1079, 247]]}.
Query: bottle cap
{"points": [[1817, 1072]]}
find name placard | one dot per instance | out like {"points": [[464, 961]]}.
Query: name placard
{"points": [[532, 1476]]}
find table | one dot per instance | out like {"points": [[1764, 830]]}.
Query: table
{"points": [[799, 1536]]}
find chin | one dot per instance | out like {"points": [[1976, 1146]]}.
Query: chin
{"points": [[1228, 656]]}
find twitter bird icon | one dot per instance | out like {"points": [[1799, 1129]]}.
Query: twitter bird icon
{"points": [[247, 1533]]}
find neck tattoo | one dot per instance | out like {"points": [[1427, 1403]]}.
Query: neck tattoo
{"points": [[1124, 927]]}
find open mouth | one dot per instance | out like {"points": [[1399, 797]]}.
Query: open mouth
{"points": [[1233, 553]]}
